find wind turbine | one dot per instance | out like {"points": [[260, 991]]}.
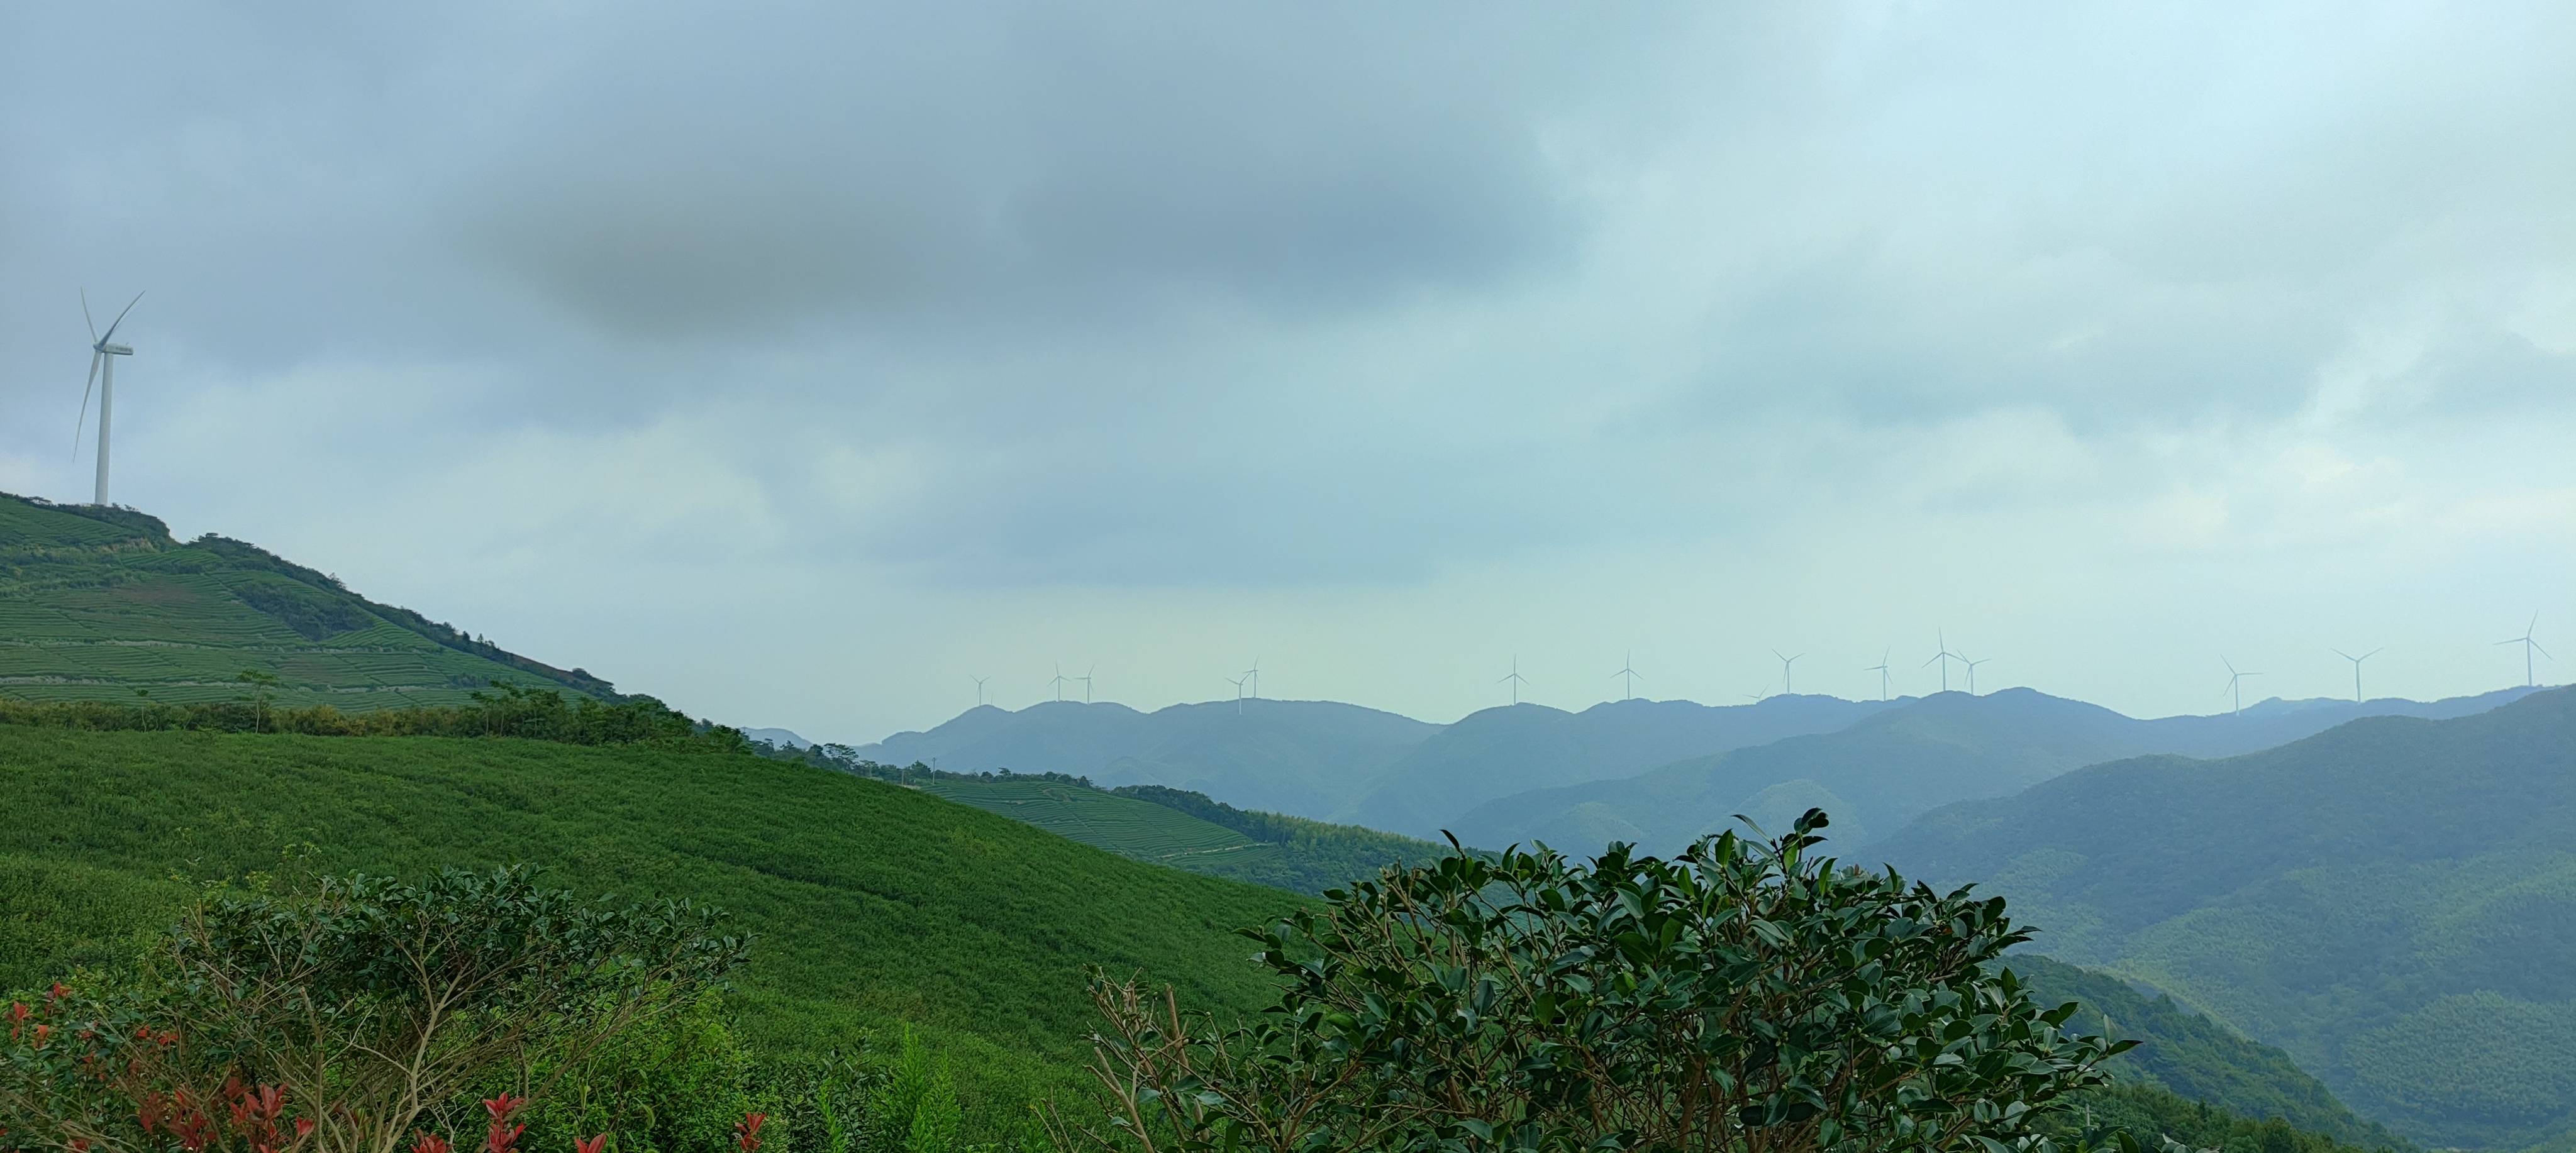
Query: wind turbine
{"points": [[1515, 679], [1881, 669], [1237, 682], [1945, 656], [102, 373], [1785, 662], [2234, 683], [1254, 675], [2529, 646], [1085, 678], [2356, 663], [979, 688], [1059, 680], [1755, 698], [1972, 671], [1627, 668]]}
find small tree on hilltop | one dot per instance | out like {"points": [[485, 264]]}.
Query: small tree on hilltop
{"points": [[350, 1018], [1749, 996]]}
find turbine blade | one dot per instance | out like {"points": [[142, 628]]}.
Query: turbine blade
{"points": [[94, 357], [120, 317], [2543, 652], [93, 325], [1936, 656], [2372, 653], [2340, 653]]}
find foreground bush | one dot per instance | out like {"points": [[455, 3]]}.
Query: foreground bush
{"points": [[361, 1017], [1749, 996]]}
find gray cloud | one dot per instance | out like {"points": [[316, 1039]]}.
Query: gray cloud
{"points": [[1038, 307]]}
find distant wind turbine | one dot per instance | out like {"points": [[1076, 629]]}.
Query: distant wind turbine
{"points": [[1085, 678], [1237, 682], [1059, 680], [2356, 664], [102, 374], [2235, 683], [2529, 646], [1785, 662], [1628, 669], [1881, 669], [1254, 675], [979, 687], [1972, 670], [1945, 656], [1514, 679], [1755, 698]]}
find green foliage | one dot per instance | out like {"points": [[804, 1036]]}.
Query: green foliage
{"points": [[2138, 1109], [506, 710], [2194, 1056], [361, 1009], [1747, 996], [2392, 902], [98, 603], [1312, 856], [916, 1111], [875, 905]]}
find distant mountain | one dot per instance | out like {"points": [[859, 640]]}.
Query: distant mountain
{"points": [[1306, 758], [101, 603], [1502, 751], [2392, 901], [1893, 765], [783, 738]]}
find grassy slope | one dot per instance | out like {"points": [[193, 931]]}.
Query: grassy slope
{"points": [[2393, 902], [872, 902], [1263, 848], [1103, 820], [95, 604]]}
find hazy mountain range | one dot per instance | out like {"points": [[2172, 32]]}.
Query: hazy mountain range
{"points": [[1653, 772], [2393, 901], [1890, 766]]}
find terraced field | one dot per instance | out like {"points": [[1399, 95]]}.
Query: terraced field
{"points": [[104, 605], [1140, 830]]}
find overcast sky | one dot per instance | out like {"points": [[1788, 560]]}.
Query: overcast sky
{"points": [[794, 363]]}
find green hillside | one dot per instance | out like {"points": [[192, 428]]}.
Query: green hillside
{"points": [[872, 902], [2393, 902], [2192, 1056], [103, 604], [1122, 825]]}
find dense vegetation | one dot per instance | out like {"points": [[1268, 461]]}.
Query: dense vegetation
{"points": [[1748, 996], [2194, 1057], [2393, 902], [1176, 827], [101, 603], [872, 904]]}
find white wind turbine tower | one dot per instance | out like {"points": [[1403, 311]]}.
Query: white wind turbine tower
{"points": [[1972, 670], [1237, 682], [1785, 662], [1881, 669], [979, 688], [1059, 680], [1945, 656], [1515, 679], [2235, 682], [1628, 669], [1253, 674], [1085, 678], [2356, 664], [102, 374], [2529, 646]]}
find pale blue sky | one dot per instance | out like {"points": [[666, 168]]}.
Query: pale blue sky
{"points": [[794, 363]]}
